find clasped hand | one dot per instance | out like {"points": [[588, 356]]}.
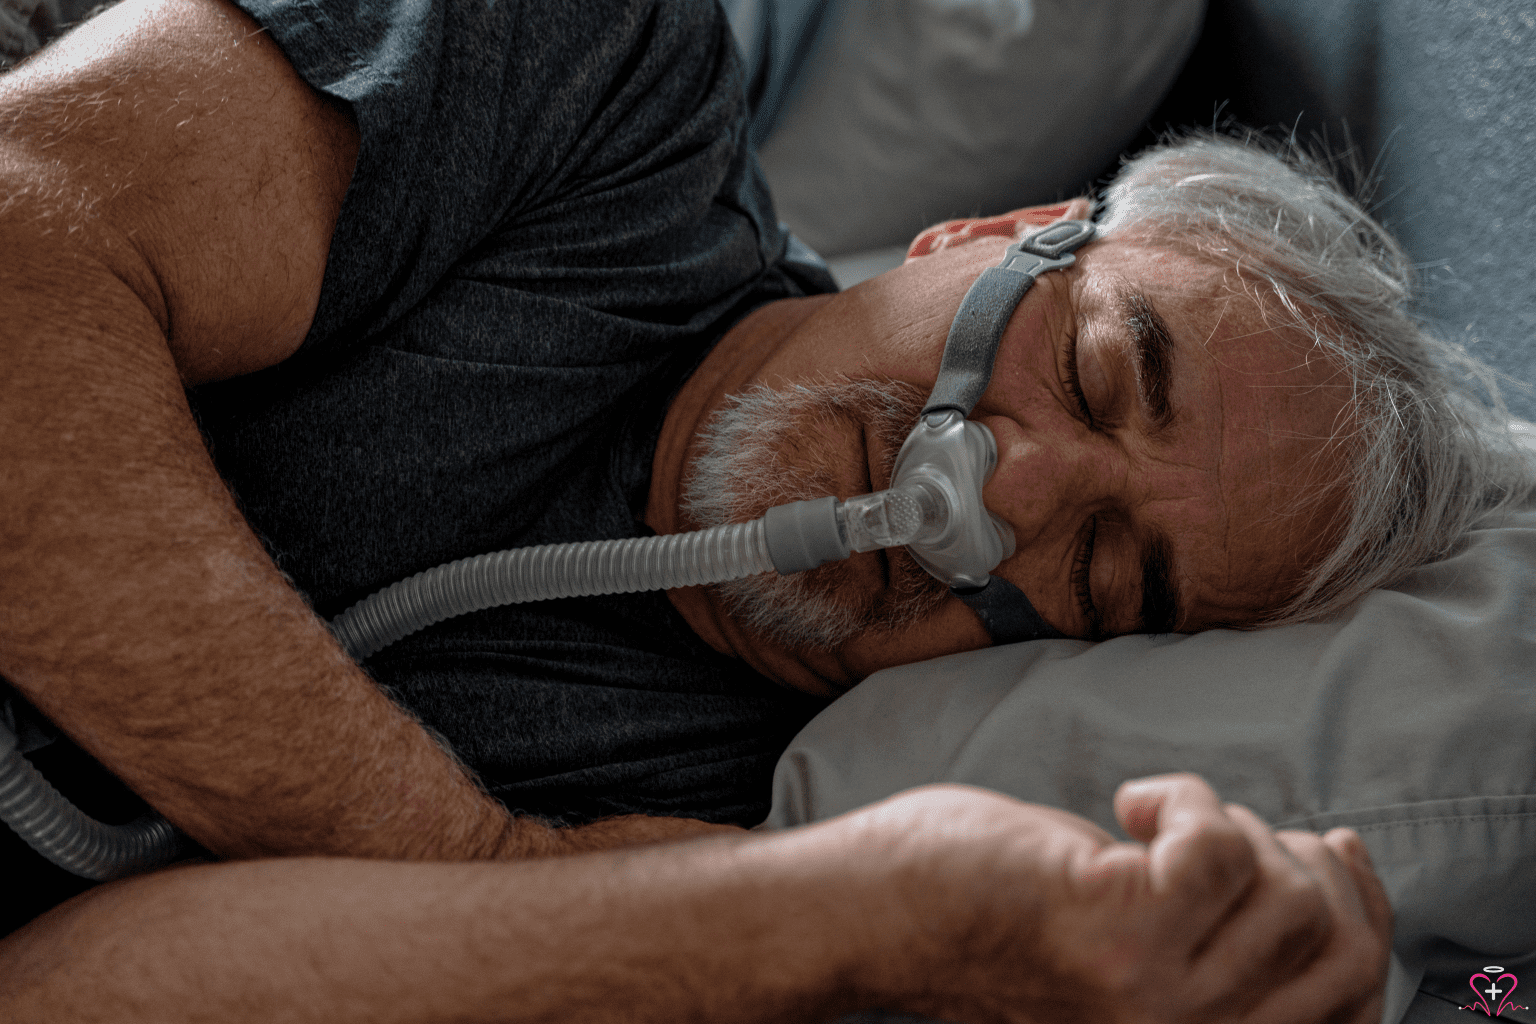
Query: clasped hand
{"points": [[1027, 913]]}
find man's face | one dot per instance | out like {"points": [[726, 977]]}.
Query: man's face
{"points": [[1161, 452]]}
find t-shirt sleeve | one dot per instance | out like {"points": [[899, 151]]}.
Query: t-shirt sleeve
{"points": [[601, 144]]}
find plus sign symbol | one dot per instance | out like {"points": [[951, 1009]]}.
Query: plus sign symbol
{"points": [[1493, 983]]}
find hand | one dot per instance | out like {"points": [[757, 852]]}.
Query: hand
{"points": [[1039, 915]]}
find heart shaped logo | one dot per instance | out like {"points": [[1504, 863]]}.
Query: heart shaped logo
{"points": [[1499, 986]]}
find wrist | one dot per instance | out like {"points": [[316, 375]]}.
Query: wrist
{"points": [[868, 909], [949, 891], [819, 911]]}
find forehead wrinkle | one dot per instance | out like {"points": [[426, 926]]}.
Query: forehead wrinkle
{"points": [[1219, 467]]}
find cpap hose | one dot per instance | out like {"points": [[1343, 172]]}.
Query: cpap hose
{"points": [[60, 831], [788, 538], [934, 509]]}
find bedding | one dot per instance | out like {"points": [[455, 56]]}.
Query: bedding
{"points": [[878, 119], [1409, 719], [25, 25]]}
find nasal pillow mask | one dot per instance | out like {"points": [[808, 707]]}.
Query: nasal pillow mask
{"points": [[933, 508]]}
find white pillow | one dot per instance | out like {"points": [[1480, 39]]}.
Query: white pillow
{"points": [[915, 111]]}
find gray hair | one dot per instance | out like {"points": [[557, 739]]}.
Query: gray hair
{"points": [[1428, 457]]}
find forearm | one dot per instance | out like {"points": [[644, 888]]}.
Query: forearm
{"points": [[955, 903], [170, 187], [141, 614], [742, 930]]}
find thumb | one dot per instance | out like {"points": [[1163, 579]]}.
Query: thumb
{"points": [[1145, 807]]}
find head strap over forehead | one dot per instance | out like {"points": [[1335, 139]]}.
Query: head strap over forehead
{"points": [[978, 327], [969, 353]]}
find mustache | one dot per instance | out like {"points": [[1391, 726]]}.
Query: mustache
{"points": [[766, 447]]}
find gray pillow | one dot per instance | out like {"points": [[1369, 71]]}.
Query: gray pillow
{"points": [[1411, 719]]}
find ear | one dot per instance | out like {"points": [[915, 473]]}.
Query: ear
{"points": [[1014, 224]]}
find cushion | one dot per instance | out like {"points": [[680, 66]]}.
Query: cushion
{"points": [[914, 111]]}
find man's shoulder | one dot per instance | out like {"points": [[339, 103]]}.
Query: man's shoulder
{"points": [[582, 154]]}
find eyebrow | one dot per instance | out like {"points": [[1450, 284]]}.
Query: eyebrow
{"points": [[1159, 596], [1153, 348]]}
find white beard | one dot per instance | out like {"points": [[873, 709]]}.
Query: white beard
{"points": [[755, 455]]}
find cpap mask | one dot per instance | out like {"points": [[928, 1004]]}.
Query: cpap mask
{"points": [[933, 508]]}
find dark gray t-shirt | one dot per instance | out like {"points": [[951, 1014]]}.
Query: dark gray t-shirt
{"points": [[553, 216]]}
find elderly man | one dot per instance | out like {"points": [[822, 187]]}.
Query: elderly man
{"points": [[438, 279]]}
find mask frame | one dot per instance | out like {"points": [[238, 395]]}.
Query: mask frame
{"points": [[946, 442]]}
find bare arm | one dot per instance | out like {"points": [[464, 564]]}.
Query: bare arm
{"points": [[171, 188], [952, 902]]}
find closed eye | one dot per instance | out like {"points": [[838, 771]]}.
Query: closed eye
{"points": [[1082, 562], [1072, 385]]}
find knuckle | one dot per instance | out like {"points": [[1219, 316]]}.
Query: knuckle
{"points": [[1224, 843], [1306, 888], [1302, 874], [1307, 847], [1223, 857]]}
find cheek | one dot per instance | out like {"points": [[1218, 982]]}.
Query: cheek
{"points": [[1043, 470], [883, 333]]}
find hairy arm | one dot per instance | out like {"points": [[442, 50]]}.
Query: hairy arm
{"points": [[960, 904], [170, 189], [664, 934]]}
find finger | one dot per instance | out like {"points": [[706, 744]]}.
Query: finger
{"points": [[1290, 918], [1307, 944], [1140, 803], [1344, 867], [1199, 861], [1345, 983], [1367, 934], [1281, 924], [1373, 895]]}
